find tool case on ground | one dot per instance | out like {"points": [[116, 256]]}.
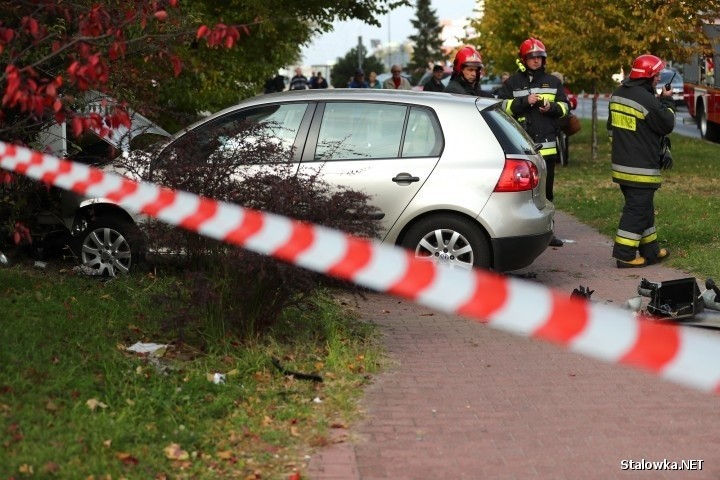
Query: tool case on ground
{"points": [[677, 299]]}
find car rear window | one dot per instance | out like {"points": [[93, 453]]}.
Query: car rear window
{"points": [[513, 139]]}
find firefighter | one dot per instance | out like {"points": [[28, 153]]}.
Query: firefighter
{"points": [[638, 122], [467, 72], [536, 100]]}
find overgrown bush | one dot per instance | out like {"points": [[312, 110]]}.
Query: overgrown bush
{"points": [[248, 165]]}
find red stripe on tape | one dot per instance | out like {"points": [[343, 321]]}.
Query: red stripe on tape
{"points": [[418, 276], [491, 293], [126, 188], [657, 344], [63, 168], [94, 176], [252, 222], [301, 238], [357, 256], [568, 318], [36, 158], [165, 197], [205, 210]]}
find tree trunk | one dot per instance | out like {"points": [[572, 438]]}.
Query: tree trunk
{"points": [[594, 140]]}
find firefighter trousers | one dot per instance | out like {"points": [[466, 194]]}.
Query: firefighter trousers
{"points": [[636, 232]]}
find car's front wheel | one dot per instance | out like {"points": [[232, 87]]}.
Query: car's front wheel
{"points": [[109, 246], [449, 240]]}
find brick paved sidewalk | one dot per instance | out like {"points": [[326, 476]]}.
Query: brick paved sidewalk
{"points": [[462, 400]]}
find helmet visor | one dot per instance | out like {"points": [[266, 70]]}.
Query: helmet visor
{"points": [[536, 54]]}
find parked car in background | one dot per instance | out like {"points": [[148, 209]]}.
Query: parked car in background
{"points": [[489, 84], [677, 85], [455, 179]]}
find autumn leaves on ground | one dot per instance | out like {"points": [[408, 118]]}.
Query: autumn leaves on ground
{"points": [[76, 404]]}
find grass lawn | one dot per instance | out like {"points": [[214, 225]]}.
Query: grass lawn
{"points": [[687, 207], [75, 404]]}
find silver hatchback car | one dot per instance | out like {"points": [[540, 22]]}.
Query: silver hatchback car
{"points": [[455, 179]]}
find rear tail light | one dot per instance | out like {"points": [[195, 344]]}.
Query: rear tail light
{"points": [[517, 176]]}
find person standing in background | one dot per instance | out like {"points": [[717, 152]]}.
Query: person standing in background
{"points": [[299, 81], [358, 80], [638, 124], [320, 81], [467, 71], [434, 84], [537, 100], [397, 81], [373, 81]]}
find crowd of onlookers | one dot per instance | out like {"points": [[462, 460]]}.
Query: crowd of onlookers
{"points": [[300, 82]]}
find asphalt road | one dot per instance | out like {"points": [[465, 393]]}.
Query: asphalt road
{"points": [[684, 123]]}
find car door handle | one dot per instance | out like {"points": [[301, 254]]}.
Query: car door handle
{"points": [[405, 178]]}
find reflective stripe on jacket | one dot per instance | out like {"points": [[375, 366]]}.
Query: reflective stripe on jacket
{"points": [[637, 120], [542, 127]]}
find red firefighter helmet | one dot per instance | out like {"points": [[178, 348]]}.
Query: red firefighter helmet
{"points": [[532, 47], [646, 66], [467, 57]]}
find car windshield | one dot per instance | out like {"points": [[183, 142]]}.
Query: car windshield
{"points": [[667, 75]]}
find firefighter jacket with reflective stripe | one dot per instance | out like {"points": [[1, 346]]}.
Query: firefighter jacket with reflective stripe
{"points": [[459, 85], [636, 123], [542, 127]]}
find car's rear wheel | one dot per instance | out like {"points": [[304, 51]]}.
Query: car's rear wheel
{"points": [[449, 240], [109, 246]]}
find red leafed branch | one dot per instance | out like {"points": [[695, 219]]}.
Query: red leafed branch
{"points": [[46, 67]]}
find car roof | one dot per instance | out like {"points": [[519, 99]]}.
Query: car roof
{"points": [[428, 99]]}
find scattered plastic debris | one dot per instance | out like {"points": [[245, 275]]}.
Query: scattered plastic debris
{"points": [[582, 292], [216, 378], [154, 349], [3, 259], [40, 264]]}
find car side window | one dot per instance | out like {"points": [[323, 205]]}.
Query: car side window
{"points": [[360, 131], [240, 132], [280, 122], [422, 137]]}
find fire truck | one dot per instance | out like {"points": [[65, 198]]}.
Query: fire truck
{"points": [[702, 87]]}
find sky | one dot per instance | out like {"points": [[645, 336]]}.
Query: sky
{"points": [[395, 28]]}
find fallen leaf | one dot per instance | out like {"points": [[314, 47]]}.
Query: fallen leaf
{"points": [[94, 404], [233, 373], [225, 455], [51, 467], [107, 443], [26, 469], [294, 476], [126, 458], [294, 431], [174, 452], [267, 421], [51, 406], [338, 425]]}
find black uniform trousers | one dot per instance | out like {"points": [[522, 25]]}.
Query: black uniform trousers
{"points": [[550, 161], [636, 232]]}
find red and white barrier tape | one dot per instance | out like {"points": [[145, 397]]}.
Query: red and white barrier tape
{"points": [[683, 355]]}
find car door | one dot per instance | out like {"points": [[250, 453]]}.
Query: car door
{"points": [[386, 150]]}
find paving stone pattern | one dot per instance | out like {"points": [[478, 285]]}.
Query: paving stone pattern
{"points": [[461, 400]]}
